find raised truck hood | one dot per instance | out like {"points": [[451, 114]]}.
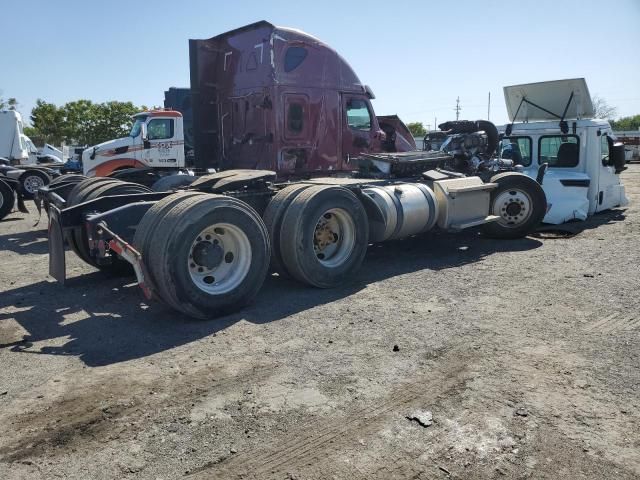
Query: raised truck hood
{"points": [[552, 96]]}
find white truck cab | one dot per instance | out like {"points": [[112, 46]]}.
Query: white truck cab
{"points": [[156, 140], [557, 129]]}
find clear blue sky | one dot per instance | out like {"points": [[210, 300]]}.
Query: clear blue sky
{"points": [[417, 56]]}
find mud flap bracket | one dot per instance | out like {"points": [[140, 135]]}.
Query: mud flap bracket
{"points": [[131, 255]]}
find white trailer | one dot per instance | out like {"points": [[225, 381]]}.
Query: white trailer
{"points": [[13, 141], [19, 150]]}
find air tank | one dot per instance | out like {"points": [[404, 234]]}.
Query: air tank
{"points": [[398, 211]]}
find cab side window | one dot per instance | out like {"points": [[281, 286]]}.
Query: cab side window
{"points": [[559, 150], [293, 58], [295, 118], [517, 149], [358, 114], [604, 148], [160, 128]]}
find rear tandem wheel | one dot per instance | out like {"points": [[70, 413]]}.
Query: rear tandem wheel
{"points": [[209, 253], [77, 238], [324, 236]]}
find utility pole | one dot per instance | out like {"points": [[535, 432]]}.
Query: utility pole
{"points": [[489, 106], [435, 123], [458, 108]]}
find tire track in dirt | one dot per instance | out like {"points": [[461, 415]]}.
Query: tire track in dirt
{"points": [[614, 323], [312, 444]]}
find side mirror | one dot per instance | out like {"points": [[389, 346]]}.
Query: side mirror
{"points": [[616, 157], [145, 135]]}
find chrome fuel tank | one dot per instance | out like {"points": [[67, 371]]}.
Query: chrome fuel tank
{"points": [[398, 211]]}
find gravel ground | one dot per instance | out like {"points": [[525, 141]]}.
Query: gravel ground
{"points": [[447, 356]]}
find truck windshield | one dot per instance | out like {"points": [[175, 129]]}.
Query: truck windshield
{"points": [[31, 147], [517, 149], [137, 126]]}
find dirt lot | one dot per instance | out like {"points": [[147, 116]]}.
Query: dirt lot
{"points": [[525, 353]]}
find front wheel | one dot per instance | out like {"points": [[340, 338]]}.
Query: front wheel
{"points": [[520, 203]]}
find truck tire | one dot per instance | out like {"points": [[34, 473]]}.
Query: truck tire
{"points": [[172, 182], [67, 178], [84, 184], [79, 242], [273, 220], [76, 197], [146, 234], [7, 199], [210, 255], [31, 181], [324, 236], [521, 204], [70, 179]]}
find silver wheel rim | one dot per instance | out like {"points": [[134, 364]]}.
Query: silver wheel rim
{"points": [[219, 258], [514, 207], [32, 183], [1, 200], [334, 237]]}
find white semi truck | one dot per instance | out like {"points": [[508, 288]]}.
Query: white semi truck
{"points": [[156, 140], [552, 123]]}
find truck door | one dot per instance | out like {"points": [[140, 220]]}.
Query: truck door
{"points": [[161, 148], [247, 141], [360, 128]]}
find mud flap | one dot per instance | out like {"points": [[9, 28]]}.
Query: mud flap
{"points": [[57, 263], [21, 206]]}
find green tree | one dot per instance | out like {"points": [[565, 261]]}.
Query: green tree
{"points": [[112, 120], [82, 121], [48, 122], [626, 123], [79, 121], [417, 129]]}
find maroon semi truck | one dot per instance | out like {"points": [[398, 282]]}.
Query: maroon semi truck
{"points": [[306, 178], [272, 98]]}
